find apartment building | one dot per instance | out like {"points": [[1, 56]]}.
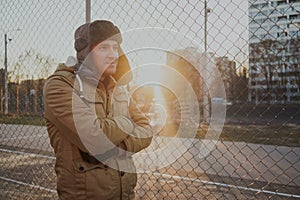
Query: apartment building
{"points": [[274, 51]]}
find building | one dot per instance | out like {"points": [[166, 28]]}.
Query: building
{"points": [[25, 98], [200, 73], [274, 51], [185, 62]]}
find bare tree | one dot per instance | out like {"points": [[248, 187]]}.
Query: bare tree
{"points": [[241, 87], [295, 44], [31, 64], [267, 58], [29, 71]]}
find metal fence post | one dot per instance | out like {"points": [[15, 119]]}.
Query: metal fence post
{"points": [[88, 11]]}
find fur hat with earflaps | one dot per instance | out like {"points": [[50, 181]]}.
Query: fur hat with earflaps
{"points": [[88, 35]]}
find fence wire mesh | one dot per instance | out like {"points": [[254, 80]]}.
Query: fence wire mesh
{"points": [[252, 46]]}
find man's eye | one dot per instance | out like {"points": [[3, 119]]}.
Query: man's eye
{"points": [[103, 47]]}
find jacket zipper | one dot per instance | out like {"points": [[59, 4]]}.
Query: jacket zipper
{"points": [[107, 113], [107, 102], [120, 185]]}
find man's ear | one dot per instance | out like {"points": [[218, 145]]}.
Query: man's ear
{"points": [[80, 44]]}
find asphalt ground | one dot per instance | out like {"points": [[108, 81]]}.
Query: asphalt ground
{"points": [[27, 168]]}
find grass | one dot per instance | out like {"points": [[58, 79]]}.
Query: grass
{"points": [[281, 135], [23, 119]]}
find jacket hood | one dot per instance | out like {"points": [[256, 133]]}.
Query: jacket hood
{"points": [[123, 73], [62, 67]]}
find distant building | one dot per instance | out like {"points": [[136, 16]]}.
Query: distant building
{"points": [[181, 60], [274, 53], [226, 68], [25, 98]]}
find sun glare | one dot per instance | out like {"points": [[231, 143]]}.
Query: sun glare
{"points": [[152, 76]]}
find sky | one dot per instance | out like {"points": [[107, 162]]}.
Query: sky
{"points": [[47, 27]]}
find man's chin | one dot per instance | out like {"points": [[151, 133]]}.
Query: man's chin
{"points": [[110, 71]]}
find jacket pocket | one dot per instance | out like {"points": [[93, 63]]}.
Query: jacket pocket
{"points": [[129, 181], [96, 100], [120, 104], [82, 166], [100, 181]]}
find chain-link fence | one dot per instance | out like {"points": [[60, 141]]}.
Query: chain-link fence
{"points": [[239, 58]]}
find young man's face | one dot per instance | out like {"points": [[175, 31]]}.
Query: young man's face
{"points": [[105, 57]]}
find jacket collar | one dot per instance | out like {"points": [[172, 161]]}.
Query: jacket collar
{"points": [[87, 75]]}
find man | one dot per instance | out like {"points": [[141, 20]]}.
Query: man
{"points": [[92, 126]]}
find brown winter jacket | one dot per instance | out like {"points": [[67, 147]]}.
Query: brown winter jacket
{"points": [[75, 128]]}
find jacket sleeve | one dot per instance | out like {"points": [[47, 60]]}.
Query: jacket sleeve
{"points": [[88, 132], [142, 133]]}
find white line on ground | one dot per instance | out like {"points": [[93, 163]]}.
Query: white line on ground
{"points": [[28, 154], [226, 185], [27, 184], [156, 174]]}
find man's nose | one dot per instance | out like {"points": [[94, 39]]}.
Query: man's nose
{"points": [[113, 53]]}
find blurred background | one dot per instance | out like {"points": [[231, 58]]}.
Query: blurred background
{"points": [[239, 56]]}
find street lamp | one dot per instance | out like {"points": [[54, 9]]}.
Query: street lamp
{"points": [[206, 11], [5, 71], [88, 11], [206, 106], [296, 24]]}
